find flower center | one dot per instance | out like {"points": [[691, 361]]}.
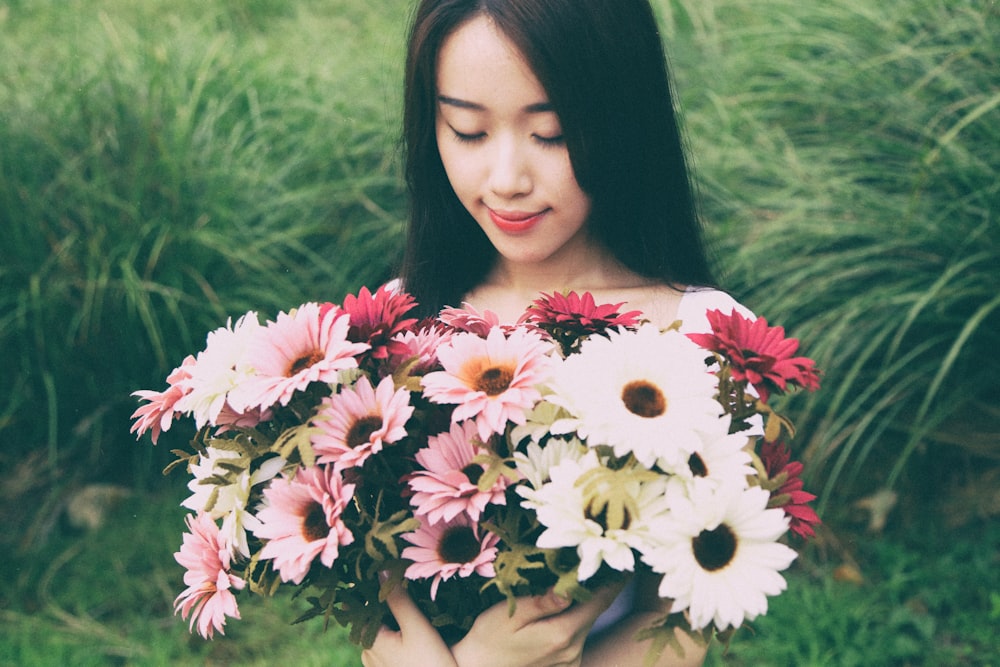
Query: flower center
{"points": [[714, 549], [361, 431], [644, 399], [697, 465], [314, 526], [304, 362], [458, 545], [494, 381]]}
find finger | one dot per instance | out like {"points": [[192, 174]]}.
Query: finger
{"points": [[405, 610], [535, 608]]}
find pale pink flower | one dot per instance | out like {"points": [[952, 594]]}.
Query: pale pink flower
{"points": [[448, 548], [208, 598], [493, 380], [219, 369], [470, 320], [158, 413], [293, 351], [421, 344], [356, 422], [448, 484], [301, 519]]}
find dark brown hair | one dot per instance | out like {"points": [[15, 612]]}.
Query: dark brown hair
{"points": [[602, 64]]}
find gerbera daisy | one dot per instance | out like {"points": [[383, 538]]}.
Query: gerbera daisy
{"points": [[220, 368], [158, 413], [759, 354], [569, 317], [789, 496], [720, 459], [356, 422], [719, 556], [493, 380], [447, 548], [448, 484], [421, 344], [377, 318], [228, 502], [643, 392], [535, 462], [208, 598], [301, 519], [470, 320], [293, 351]]}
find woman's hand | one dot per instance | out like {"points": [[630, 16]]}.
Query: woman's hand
{"points": [[544, 631], [416, 643]]}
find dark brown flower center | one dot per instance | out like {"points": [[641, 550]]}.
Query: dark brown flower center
{"points": [[494, 381], [714, 549], [644, 399], [361, 431], [697, 465], [314, 526], [458, 545], [304, 362]]}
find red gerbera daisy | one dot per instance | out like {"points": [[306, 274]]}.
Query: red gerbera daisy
{"points": [[570, 317], [376, 318], [759, 354], [789, 496]]}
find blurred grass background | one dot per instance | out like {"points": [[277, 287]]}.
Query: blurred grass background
{"points": [[165, 165]]}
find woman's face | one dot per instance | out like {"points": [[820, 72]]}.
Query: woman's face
{"points": [[502, 148]]}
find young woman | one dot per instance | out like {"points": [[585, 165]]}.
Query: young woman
{"points": [[543, 155]]}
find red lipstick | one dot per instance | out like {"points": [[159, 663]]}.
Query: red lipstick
{"points": [[516, 222]]}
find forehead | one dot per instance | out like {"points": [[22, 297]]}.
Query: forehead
{"points": [[478, 62]]}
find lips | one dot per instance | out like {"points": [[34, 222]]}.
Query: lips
{"points": [[516, 222]]}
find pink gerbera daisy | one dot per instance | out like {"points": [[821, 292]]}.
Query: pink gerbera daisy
{"points": [[442, 550], [208, 598], [789, 496], [448, 484], [354, 423], [302, 519], [470, 320], [295, 350], [759, 354], [377, 318], [420, 345], [492, 380], [158, 413]]}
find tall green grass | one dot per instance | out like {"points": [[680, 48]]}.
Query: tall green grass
{"points": [[848, 154], [164, 166]]}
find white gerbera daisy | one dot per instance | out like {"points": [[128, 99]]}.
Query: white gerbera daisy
{"points": [[228, 501], [720, 558], [643, 392], [721, 459], [536, 461], [601, 513]]}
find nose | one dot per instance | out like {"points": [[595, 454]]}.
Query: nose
{"points": [[510, 173]]}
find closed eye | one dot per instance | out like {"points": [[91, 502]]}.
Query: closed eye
{"points": [[557, 140], [467, 138]]}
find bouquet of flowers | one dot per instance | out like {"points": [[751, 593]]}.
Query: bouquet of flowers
{"points": [[344, 450]]}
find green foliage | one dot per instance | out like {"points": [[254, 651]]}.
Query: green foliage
{"points": [[166, 166], [848, 156]]}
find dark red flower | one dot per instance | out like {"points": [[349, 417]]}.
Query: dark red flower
{"points": [[376, 318], [789, 495], [579, 312], [758, 354]]}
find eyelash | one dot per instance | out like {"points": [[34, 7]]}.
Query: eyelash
{"points": [[464, 138]]}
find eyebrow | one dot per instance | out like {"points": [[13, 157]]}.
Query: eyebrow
{"points": [[537, 107]]}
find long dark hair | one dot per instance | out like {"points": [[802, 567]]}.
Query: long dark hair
{"points": [[602, 64]]}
